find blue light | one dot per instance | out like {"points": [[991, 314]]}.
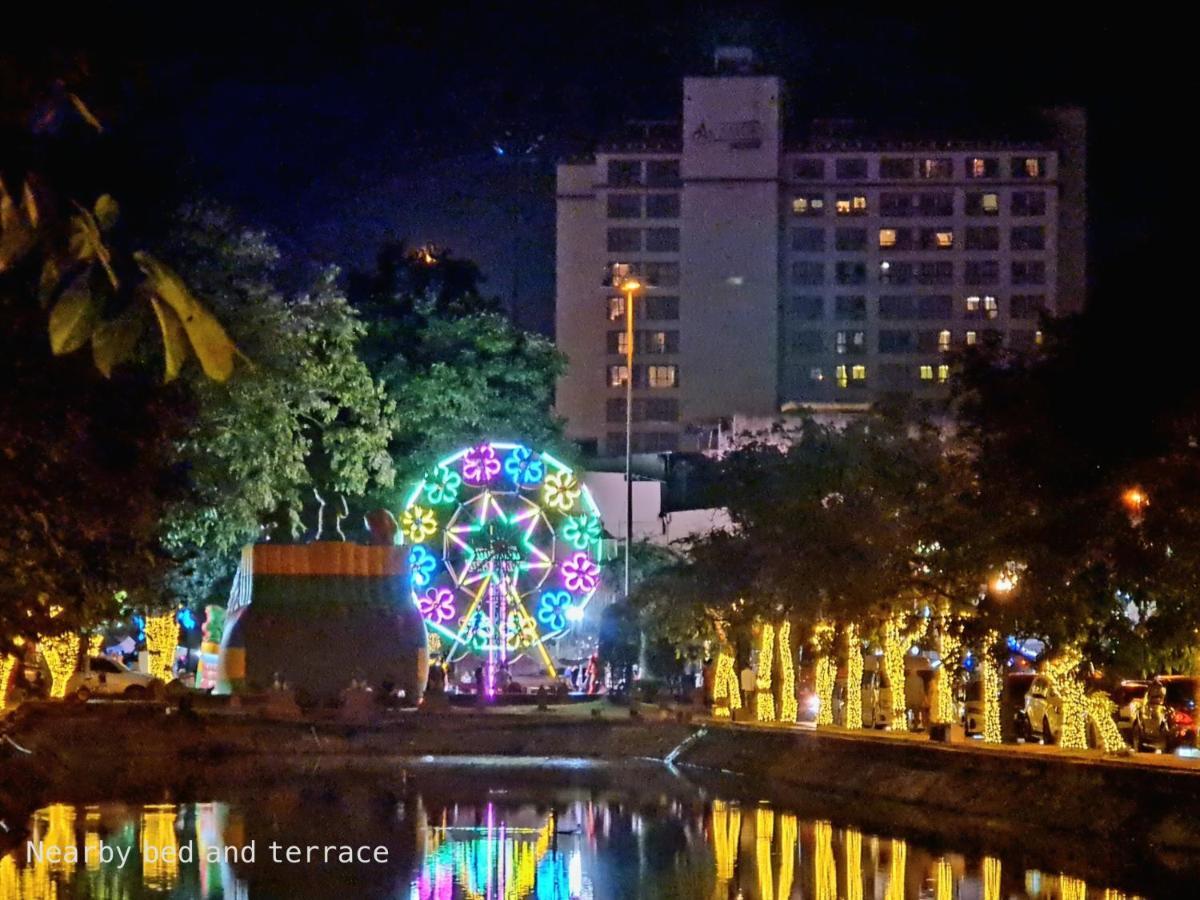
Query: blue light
{"points": [[186, 618]]}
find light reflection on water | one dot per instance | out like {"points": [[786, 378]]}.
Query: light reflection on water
{"points": [[567, 846]]}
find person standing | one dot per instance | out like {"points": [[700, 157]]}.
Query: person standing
{"points": [[749, 682]]}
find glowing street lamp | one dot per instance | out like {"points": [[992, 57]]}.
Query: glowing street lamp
{"points": [[1135, 500], [625, 281]]}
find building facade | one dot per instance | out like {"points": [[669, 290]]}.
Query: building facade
{"points": [[825, 271]]}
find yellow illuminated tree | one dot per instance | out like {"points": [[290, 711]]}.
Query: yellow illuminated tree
{"points": [[764, 699], [854, 672]]}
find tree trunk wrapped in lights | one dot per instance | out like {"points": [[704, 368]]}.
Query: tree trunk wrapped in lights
{"points": [[991, 684], [764, 700], [1061, 672], [854, 672], [162, 637], [787, 674], [61, 653], [825, 671], [824, 865], [942, 706], [95, 643], [8, 662], [893, 664], [764, 835], [727, 696], [789, 830], [726, 839], [1100, 708]]}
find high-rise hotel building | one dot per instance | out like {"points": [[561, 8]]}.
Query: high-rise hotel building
{"points": [[825, 272]]}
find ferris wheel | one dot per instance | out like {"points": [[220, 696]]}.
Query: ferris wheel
{"points": [[505, 543]]}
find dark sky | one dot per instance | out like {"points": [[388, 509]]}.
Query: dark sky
{"points": [[346, 124]]}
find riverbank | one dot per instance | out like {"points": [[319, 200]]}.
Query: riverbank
{"points": [[957, 795]]}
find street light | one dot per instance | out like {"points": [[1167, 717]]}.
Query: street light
{"points": [[627, 284], [1136, 500]]}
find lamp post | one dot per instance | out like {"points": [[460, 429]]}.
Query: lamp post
{"points": [[628, 285]]}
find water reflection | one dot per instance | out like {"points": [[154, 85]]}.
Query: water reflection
{"points": [[549, 845]]}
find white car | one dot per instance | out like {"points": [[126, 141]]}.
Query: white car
{"points": [[106, 677]]}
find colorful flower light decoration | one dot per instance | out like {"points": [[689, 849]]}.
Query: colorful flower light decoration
{"points": [[554, 609], [520, 631], [480, 465], [523, 467], [442, 485], [437, 604], [562, 490], [421, 566], [581, 531], [580, 573], [418, 524]]}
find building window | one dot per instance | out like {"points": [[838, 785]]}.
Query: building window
{"points": [[941, 204], [808, 168], [808, 240], [808, 341], [887, 237], [991, 308], [662, 240], [851, 205], [1028, 203], [1028, 237], [935, 307], [982, 271], [982, 204], [851, 272], [943, 373], [1037, 338], [661, 274], [659, 342], [662, 172], [983, 167], [937, 239], [850, 239], [896, 167], [853, 309], [1029, 167], [624, 206], [892, 308], [850, 342], [808, 205], [935, 273], [1032, 271], [617, 342], [851, 168], [841, 375], [808, 307], [662, 206], [618, 376], [816, 374], [895, 272], [943, 340], [1026, 306], [983, 237], [616, 309], [972, 338], [940, 167], [896, 206], [662, 309], [614, 409], [973, 309], [927, 373], [624, 240], [662, 376], [624, 172], [858, 373], [895, 341], [808, 272], [657, 410]]}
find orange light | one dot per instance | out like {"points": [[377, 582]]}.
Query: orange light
{"points": [[1135, 498], [631, 285]]}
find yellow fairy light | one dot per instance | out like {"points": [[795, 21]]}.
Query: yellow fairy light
{"points": [[824, 867], [945, 879], [8, 662], [893, 666], [897, 864], [1074, 705], [854, 869], [825, 675], [95, 644], [764, 700], [991, 685], [1070, 888], [1100, 709], [160, 849], [942, 708], [789, 830], [764, 834], [991, 878], [725, 687], [726, 838], [61, 653], [162, 637], [854, 672], [787, 675]]}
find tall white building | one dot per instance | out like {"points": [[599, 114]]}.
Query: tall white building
{"points": [[826, 271]]}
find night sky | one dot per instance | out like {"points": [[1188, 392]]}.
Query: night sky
{"points": [[346, 124]]}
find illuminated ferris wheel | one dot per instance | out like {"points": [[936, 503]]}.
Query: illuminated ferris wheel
{"points": [[505, 545]]}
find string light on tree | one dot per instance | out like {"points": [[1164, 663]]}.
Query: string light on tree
{"points": [[764, 834], [826, 672], [727, 697], [162, 637], [992, 684], [61, 653], [854, 672], [8, 663], [943, 708], [852, 842], [787, 675], [764, 700], [893, 665], [824, 865]]}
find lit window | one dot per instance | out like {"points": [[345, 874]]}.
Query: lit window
{"points": [[618, 376], [1033, 167], [943, 341], [978, 167], [945, 239], [808, 205], [927, 373], [991, 203], [858, 373], [662, 376], [943, 374], [843, 206], [840, 375], [887, 237], [657, 342], [622, 342], [616, 308], [991, 308], [859, 203], [800, 205], [971, 337], [816, 373], [1037, 338], [972, 304]]}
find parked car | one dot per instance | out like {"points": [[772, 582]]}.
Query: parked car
{"points": [[1043, 712], [1166, 717], [105, 677], [1128, 696]]}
